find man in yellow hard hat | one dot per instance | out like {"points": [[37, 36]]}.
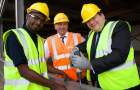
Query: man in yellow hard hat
{"points": [[60, 45], [110, 53], [25, 66]]}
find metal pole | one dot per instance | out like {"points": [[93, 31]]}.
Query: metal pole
{"points": [[19, 13], [1, 40], [2, 2], [16, 13], [1, 56]]}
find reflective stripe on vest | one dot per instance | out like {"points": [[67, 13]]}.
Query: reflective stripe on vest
{"points": [[30, 62], [124, 66], [75, 38], [23, 40], [45, 74], [20, 81], [57, 57], [16, 82], [63, 67]]}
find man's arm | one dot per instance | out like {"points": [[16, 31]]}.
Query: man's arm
{"points": [[82, 46], [51, 69], [120, 49], [32, 76]]}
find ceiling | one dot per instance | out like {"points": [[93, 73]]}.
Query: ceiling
{"points": [[113, 9]]}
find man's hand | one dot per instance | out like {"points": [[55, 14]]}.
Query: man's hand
{"points": [[78, 59], [53, 70], [34, 77], [76, 51], [58, 86]]}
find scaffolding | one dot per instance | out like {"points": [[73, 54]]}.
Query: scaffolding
{"points": [[19, 15], [2, 2]]}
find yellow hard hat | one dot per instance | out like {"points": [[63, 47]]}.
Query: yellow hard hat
{"points": [[60, 17], [41, 7], [88, 11]]}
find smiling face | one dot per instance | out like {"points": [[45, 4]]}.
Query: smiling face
{"points": [[61, 28], [35, 21], [96, 23]]}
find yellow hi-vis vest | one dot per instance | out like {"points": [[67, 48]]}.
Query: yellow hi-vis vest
{"points": [[121, 77], [36, 62]]}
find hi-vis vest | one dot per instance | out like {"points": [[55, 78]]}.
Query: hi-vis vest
{"points": [[36, 62], [60, 52], [118, 78]]}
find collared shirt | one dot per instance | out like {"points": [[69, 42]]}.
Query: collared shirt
{"points": [[47, 51], [15, 50], [65, 37], [46, 46]]}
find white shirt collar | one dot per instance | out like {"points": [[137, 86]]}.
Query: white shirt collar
{"points": [[66, 34]]}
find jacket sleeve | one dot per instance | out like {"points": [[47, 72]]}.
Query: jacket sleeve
{"points": [[120, 49], [82, 47]]}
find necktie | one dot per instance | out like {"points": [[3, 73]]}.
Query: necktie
{"points": [[97, 35], [63, 38], [94, 46]]}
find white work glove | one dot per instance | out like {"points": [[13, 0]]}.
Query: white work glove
{"points": [[78, 59]]}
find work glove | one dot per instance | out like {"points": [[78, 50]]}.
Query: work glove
{"points": [[78, 59]]}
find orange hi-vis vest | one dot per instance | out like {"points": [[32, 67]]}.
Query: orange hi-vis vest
{"points": [[60, 52]]}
